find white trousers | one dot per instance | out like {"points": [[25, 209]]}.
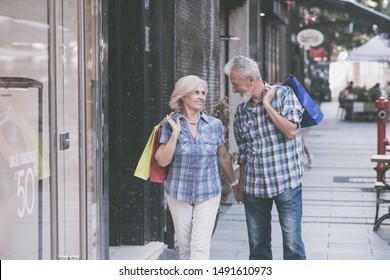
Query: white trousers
{"points": [[194, 226]]}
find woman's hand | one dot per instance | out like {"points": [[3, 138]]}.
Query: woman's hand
{"points": [[175, 125], [164, 153]]}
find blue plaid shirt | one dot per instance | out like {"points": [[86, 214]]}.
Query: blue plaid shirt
{"points": [[193, 173], [274, 163]]}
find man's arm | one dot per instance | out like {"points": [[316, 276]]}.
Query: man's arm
{"points": [[238, 190], [288, 128]]}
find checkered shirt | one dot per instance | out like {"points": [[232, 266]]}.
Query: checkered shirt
{"points": [[193, 173], [274, 163]]}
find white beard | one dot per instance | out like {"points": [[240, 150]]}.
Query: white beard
{"points": [[246, 96]]}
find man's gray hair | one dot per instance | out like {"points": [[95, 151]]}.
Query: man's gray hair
{"points": [[244, 65]]}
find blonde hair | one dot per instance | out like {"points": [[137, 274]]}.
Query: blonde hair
{"points": [[183, 87]]}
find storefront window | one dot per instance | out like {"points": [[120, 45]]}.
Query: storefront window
{"points": [[25, 188], [23, 124]]}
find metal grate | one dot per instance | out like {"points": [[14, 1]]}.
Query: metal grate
{"points": [[348, 179], [197, 44]]}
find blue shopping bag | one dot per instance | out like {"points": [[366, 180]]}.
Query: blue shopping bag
{"points": [[312, 114]]}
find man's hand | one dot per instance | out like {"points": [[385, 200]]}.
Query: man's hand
{"points": [[268, 94], [238, 192]]}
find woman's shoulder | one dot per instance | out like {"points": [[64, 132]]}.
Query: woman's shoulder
{"points": [[211, 119], [174, 116]]}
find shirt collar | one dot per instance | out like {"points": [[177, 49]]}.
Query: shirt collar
{"points": [[202, 116]]}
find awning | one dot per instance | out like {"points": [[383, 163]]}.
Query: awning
{"points": [[359, 13], [375, 49]]}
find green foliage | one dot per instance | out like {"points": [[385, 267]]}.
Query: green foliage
{"points": [[361, 94], [374, 94], [342, 29], [222, 112], [366, 95]]}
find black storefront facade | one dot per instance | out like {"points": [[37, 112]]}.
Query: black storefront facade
{"points": [[166, 44]]}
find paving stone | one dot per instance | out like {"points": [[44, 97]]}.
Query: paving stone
{"points": [[337, 213]]}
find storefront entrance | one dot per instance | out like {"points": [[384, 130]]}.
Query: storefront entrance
{"points": [[51, 130]]}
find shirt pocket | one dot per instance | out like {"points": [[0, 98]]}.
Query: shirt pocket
{"points": [[209, 145], [183, 144], [249, 131]]}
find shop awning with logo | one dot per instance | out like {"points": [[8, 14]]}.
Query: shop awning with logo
{"points": [[359, 13]]}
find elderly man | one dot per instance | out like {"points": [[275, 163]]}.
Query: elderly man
{"points": [[268, 134]]}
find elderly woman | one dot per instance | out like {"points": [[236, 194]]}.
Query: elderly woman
{"points": [[192, 144]]}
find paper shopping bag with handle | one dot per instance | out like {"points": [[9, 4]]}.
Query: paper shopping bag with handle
{"points": [[158, 174], [143, 167], [148, 167]]}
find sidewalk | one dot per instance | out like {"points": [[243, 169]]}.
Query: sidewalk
{"points": [[338, 200]]}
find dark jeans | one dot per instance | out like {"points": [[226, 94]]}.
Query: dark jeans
{"points": [[258, 219]]}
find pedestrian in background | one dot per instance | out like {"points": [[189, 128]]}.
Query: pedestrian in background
{"points": [[268, 134], [306, 149], [347, 93], [192, 144], [317, 87]]}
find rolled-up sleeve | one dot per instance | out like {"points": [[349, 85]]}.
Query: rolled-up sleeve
{"points": [[221, 134], [165, 132], [292, 108]]}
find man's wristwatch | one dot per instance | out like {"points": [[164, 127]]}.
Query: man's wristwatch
{"points": [[235, 182]]}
